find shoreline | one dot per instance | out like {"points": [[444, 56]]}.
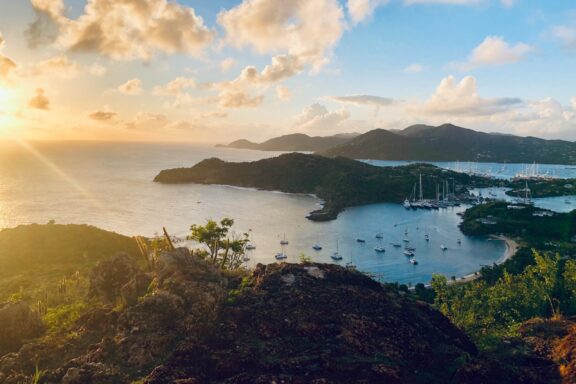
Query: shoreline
{"points": [[512, 247]]}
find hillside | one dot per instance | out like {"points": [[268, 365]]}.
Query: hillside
{"points": [[294, 142], [451, 143], [340, 182]]}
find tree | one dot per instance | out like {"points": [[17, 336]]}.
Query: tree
{"points": [[225, 248]]}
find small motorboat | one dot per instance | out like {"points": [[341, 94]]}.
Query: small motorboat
{"points": [[379, 236], [408, 253], [443, 247], [411, 249], [406, 240], [459, 241], [413, 261], [359, 240], [396, 245], [380, 249], [317, 247], [250, 247]]}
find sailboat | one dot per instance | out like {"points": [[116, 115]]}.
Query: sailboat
{"points": [[380, 248], [251, 245], [350, 265], [409, 253], [396, 245], [284, 241], [379, 235], [282, 255], [336, 255]]}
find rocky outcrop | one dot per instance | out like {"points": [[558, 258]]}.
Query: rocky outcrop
{"points": [[319, 324], [17, 323]]}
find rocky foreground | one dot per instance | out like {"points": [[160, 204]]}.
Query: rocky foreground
{"points": [[188, 322]]}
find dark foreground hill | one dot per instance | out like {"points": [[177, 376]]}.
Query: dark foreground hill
{"points": [[294, 142], [184, 321], [340, 182], [451, 143]]}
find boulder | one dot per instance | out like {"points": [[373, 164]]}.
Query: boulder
{"points": [[17, 323]]}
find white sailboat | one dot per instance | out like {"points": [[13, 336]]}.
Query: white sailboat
{"points": [[282, 255], [251, 245], [284, 241], [336, 255], [380, 248]]}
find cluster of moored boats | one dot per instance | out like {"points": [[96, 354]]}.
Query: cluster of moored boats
{"points": [[444, 197], [408, 250]]}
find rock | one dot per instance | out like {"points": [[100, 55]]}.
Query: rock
{"points": [[320, 324], [108, 277], [18, 323]]}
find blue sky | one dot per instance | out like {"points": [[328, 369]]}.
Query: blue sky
{"points": [[492, 65]]}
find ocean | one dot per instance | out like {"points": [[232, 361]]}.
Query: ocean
{"points": [[109, 185]]}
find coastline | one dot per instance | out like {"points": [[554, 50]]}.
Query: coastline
{"points": [[512, 247]]}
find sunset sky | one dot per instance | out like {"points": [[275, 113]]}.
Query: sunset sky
{"points": [[210, 70]]}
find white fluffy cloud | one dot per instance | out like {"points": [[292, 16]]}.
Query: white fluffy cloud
{"points": [[128, 29], [361, 10], [453, 98], [303, 28], [316, 117], [494, 51], [239, 99], [131, 87], [573, 102]]}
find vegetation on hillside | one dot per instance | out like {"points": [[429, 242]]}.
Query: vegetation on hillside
{"points": [[340, 182]]}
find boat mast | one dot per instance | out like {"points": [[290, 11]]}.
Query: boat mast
{"points": [[421, 193]]}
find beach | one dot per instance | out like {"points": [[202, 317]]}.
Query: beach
{"points": [[511, 248]]}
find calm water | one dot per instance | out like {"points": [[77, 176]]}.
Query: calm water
{"points": [[110, 186]]}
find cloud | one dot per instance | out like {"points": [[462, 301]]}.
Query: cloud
{"points": [[123, 30], [7, 66], [227, 64], [375, 101], [39, 101], [102, 116], [361, 10], [175, 87], [60, 66], [573, 103], [215, 115], [495, 51], [231, 99], [316, 117], [234, 93], [508, 3], [453, 98], [546, 117], [566, 35], [283, 93], [131, 87], [147, 121], [413, 68], [307, 29]]}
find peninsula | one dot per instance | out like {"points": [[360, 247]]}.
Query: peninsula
{"points": [[340, 182]]}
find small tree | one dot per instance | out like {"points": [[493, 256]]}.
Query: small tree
{"points": [[225, 248]]}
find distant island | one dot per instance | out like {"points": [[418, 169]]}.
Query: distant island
{"points": [[294, 142], [426, 143], [339, 181]]}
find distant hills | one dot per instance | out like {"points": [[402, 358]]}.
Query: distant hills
{"points": [[427, 143], [295, 142]]}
